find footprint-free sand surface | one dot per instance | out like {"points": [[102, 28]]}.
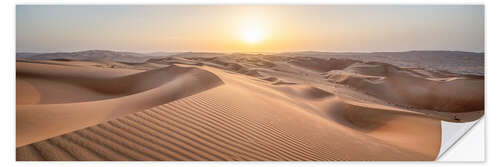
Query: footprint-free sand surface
{"points": [[237, 108]]}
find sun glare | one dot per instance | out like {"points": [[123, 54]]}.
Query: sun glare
{"points": [[252, 35]]}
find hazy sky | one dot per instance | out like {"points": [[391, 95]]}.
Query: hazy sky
{"points": [[228, 28]]}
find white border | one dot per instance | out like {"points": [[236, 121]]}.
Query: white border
{"points": [[466, 147], [451, 133], [7, 44]]}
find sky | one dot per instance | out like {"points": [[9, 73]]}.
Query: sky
{"points": [[249, 28]]}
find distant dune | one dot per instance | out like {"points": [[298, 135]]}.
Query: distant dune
{"points": [[452, 61], [89, 55], [241, 107]]}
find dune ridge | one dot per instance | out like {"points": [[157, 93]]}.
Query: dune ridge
{"points": [[146, 89]]}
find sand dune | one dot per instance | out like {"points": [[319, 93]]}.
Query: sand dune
{"points": [[321, 65], [91, 55], [384, 122], [237, 107], [92, 99], [409, 88]]}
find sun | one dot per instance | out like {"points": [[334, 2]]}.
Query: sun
{"points": [[252, 34]]}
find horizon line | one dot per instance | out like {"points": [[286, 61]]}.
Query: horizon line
{"points": [[249, 52]]}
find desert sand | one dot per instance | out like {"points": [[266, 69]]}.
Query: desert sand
{"points": [[241, 107]]}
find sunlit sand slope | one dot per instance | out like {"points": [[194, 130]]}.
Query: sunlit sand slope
{"points": [[82, 97]]}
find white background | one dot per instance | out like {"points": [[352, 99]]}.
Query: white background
{"points": [[469, 148], [491, 122]]}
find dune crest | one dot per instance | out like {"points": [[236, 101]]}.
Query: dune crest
{"points": [[121, 95]]}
